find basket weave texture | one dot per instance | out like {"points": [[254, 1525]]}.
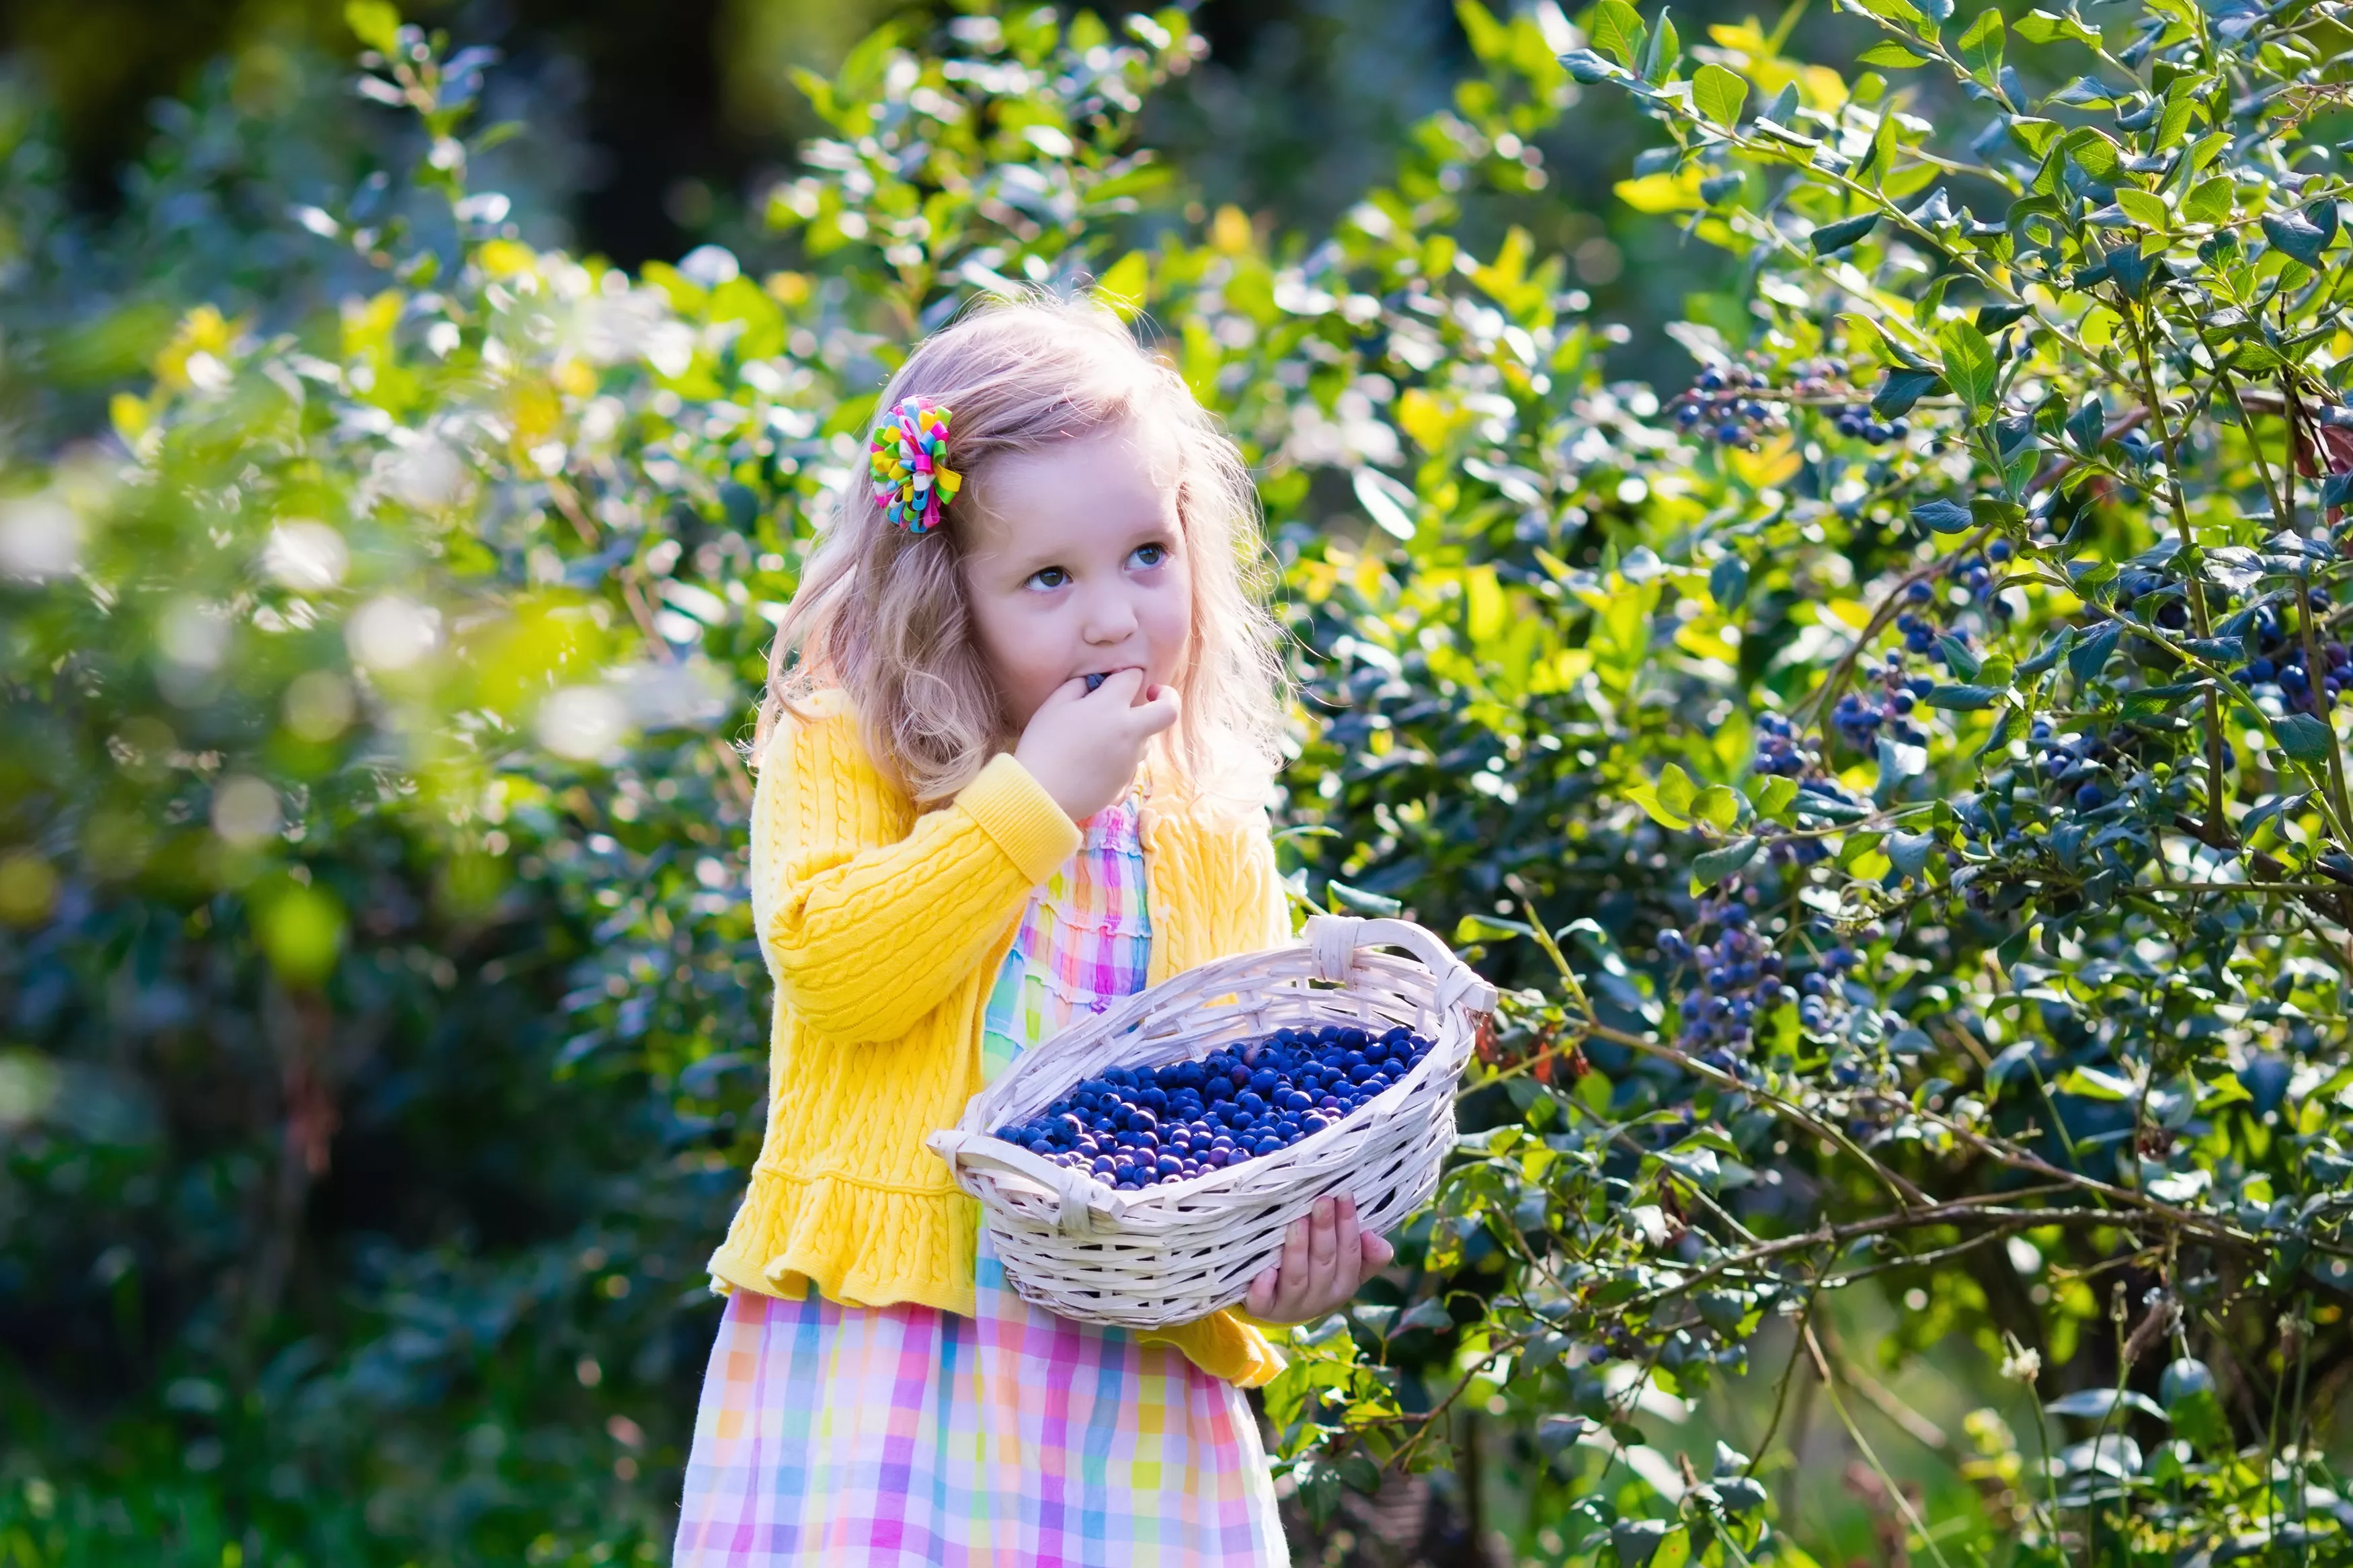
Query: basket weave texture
{"points": [[1181, 1251]]}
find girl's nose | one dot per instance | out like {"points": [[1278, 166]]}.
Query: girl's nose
{"points": [[1110, 618]]}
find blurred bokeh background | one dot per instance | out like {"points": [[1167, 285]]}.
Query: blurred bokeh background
{"points": [[648, 130]]}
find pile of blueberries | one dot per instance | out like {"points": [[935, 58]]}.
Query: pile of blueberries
{"points": [[1138, 1126]]}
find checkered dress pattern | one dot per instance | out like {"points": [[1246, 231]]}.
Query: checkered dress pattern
{"points": [[887, 1438]]}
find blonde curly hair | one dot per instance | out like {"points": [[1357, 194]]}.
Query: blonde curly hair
{"points": [[880, 614]]}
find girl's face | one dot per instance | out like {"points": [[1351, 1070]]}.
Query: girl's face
{"points": [[1075, 565]]}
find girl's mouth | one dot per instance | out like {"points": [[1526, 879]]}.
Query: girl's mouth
{"points": [[1095, 679]]}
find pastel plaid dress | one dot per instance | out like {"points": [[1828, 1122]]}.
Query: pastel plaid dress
{"points": [[901, 1435]]}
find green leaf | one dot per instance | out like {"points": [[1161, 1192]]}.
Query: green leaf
{"points": [[2098, 1404], [1943, 517], [1675, 790], [2095, 152], [1901, 389], [1727, 583], [376, 24], [1637, 1540], [1719, 94], [1719, 806], [1775, 798], [1894, 56], [1717, 864], [1647, 797], [2210, 201], [2254, 357], [2042, 26], [1833, 237], [1908, 852], [2298, 233], [2304, 737], [1616, 29], [2090, 654], [1339, 896], [1958, 659], [2035, 135], [1901, 12], [1663, 50], [1962, 699], [1981, 46], [2149, 211], [1969, 367], [2150, 699], [1589, 68]]}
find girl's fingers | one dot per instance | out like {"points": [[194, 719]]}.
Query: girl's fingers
{"points": [[1260, 1300], [1289, 1274], [1157, 713], [1352, 1244], [1322, 1247]]}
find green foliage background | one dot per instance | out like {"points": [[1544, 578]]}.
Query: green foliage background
{"points": [[1918, 880]]}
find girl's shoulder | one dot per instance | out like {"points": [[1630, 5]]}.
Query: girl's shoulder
{"points": [[807, 728]]}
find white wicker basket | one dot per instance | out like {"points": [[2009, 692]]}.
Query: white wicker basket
{"points": [[1181, 1251]]}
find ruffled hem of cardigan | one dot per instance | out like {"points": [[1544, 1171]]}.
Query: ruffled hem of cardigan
{"points": [[857, 1243], [852, 1241]]}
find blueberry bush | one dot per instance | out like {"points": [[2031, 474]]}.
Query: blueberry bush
{"points": [[1896, 777]]}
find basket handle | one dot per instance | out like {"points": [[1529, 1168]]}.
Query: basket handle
{"points": [[1077, 1208], [1333, 941]]}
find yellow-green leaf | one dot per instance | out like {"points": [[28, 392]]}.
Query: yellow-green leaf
{"points": [[1617, 29], [2211, 201], [2145, 209], [1718, 806], [1981, 46], [375, 23], [1719, 94], [1675, 790], [1895, 57]]}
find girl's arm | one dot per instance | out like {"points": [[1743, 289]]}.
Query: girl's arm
{"points": [[866, 933]]}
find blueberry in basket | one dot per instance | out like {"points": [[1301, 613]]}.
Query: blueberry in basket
{"points": [[1135, 1128]]}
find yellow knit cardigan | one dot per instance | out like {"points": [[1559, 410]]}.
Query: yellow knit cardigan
{"points": [[884, 931]]}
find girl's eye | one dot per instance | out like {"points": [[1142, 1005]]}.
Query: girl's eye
{"points": [[1152, 555], [1051, 577]]}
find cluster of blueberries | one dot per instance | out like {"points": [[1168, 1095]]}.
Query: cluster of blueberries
{"points": [[2078, 764], [1136, 1128], [1860, 715], [1856, 423], [1730, 404], [1781, 750], [1724, 405], [2281, 663], [1739, 975]]}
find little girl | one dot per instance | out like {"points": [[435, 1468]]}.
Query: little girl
{"points": [[1017, 770]]}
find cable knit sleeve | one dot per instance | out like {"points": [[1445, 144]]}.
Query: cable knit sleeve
{"points": [[868, 925]]}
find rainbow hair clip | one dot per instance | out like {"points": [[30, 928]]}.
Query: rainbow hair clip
{"points": [[909, 457]]}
